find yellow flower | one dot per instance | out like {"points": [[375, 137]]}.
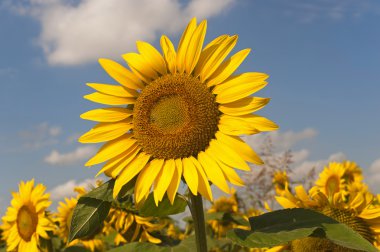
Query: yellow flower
{"points": [[130, 227], [26, 220], [228, 206], [352, 172], [177, 115], [64, 216], [280, 181], [331, 179], [354, 209]]}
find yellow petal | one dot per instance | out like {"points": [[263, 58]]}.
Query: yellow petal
{"points": [[203, 184], [152, 56], [169, 53], [227, 155], [163, 180], [190, 175], [174, 184], [236, 143], [213, 171], [234, 126], [258, 122], [114, 90], [106, 131], [121, 74], [107, 114], [244, 106], [140, 67], [195, 47], [112, 149], [227, 68], [230, 174], [238, 87], [129, 156], [285, 203], [130, 172], [216, 58], [146, 177], [109, 99], [114, 166], [215, 42], [184, 44]]}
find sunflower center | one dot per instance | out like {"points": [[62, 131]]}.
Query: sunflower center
{"points": [[175, 116], [27, 221], [343, 216]]}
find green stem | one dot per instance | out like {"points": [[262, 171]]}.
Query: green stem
{"points": [[197, 213]]}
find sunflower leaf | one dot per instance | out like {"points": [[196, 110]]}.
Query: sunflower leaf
{"points": [[102, 192], [279, 227], [164, 207], [88, 217]]}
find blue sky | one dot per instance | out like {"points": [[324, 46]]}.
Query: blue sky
{"points": [[323, 58]]}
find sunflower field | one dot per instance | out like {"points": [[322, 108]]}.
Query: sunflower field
{"points": [[178, 175]]}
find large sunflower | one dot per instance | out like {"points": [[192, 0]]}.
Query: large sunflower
{"points": [[25, 221], [178, 115]]}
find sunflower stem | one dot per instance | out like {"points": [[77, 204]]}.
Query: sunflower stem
{"points": [[197, 213]]}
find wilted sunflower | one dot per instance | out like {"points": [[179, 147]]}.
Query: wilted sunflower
{"points": [[354, 209], [64, 216], [25, 221], [179, 115]]}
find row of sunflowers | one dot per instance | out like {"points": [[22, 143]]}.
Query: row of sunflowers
{"points": [[339, 193]]}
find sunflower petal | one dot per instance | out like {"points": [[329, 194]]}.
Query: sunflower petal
{"points": [[121, 74], [258, 122], [140, 67], [195, 47], [163, 180], [146, 177], [244, 106], [236, 143], [213, 171], [184, 44], [114, 90], [112, 149], [203, 184], [130, 172], [227, 68], [107, 114], [106, 131], [152, 56], [169, 53], [190, 175], [230, 174], [174, 184], [109, 99]]}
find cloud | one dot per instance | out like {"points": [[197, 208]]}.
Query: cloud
{"points": [[69, 158], [281, 140], [67, 189], [40, 136], [373, 176], [77, 32]]}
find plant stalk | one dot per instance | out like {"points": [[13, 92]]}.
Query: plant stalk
{"points": [[196, 208]]}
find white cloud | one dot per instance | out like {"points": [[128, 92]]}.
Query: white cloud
{"points": [[67, 189], [300, 156], [281, 140], [373, 176], [69, 158], [77, 32], [40, 136]]}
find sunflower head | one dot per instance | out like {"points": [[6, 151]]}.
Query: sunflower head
{"points": [[26, 221], [177, 114], [331, 179], [280, 181]]}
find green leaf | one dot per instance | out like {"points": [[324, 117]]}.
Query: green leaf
{"points": [[187, 245], [280, 227], [164, 208], [88, 217], [103, 192], [76, 249]]}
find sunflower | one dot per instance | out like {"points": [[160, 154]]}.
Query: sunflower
{"points": [[26, 221], [355, 210], [64, 214], [352, 172], [177, 115], [280, 181], [130, 227], [331, 179]]}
